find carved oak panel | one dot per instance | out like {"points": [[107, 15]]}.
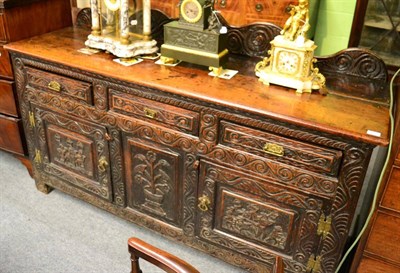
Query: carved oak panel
{"points": [[256, 217], [73, 150], [154, 180]]}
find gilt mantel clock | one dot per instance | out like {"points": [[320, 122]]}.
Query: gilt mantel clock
{"points": [[291, 58], [197, 37]]}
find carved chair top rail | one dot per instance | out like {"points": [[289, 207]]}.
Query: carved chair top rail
{"points": [[160, 258]]}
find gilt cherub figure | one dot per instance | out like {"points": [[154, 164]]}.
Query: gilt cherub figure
{"points": [[297, 24]]}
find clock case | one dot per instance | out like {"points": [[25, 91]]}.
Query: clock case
{"points": [[196, 42], [296, 72], [112, 30]]}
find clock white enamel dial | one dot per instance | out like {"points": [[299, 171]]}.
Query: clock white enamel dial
{"points": [[191, 11], [288, 62]]}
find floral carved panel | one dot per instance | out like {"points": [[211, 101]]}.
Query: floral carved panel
{"points": [[153, 184]]}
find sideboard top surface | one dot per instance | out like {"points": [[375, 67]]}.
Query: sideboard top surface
{"points": [[338, 115]]}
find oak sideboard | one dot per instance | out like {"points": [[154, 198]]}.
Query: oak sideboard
{"points": [[240, 170]]}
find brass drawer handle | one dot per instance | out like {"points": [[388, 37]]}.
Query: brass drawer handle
{"points": [[204, 203], [223, 4], [150, 113], [55, 86], [259, 8], [103, 164], [274, 149]]}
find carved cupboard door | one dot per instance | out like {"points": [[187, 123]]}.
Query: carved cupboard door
{"points": [[160, 178], [72, 150], [258, 218]]}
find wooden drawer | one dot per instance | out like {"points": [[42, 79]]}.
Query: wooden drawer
{"points": [[10, 135], [7, 99], [232, 11], [371, 265], [164, 114], [5, 64], [384, 237], [46, 81], [268, 11], [3, 32], [391, 198], [168, 7], [281, 149]]}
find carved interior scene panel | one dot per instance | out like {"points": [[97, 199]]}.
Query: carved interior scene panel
{"points": [[257, 218], [73, 150], [154, 176]]}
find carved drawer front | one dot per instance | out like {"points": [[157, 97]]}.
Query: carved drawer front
{"points": [[292, 152], [78, 90], [73, 150], [154, 180], [257, 218], [164, 114]]}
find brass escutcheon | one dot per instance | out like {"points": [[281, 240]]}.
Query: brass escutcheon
{"points": [[55, 86], [204, 203], [150, 113], [273, 149], [103, 164]]}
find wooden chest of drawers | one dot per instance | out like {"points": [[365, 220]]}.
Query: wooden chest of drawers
{"points": [[18, 20], [379, 249], [239, 13], [242, 171]]}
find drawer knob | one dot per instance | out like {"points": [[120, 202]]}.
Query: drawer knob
{"points": [[55, 86], [204, 203], [274, 149], [103, 164], [150, 113], [259, 7], [223, 4]]}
